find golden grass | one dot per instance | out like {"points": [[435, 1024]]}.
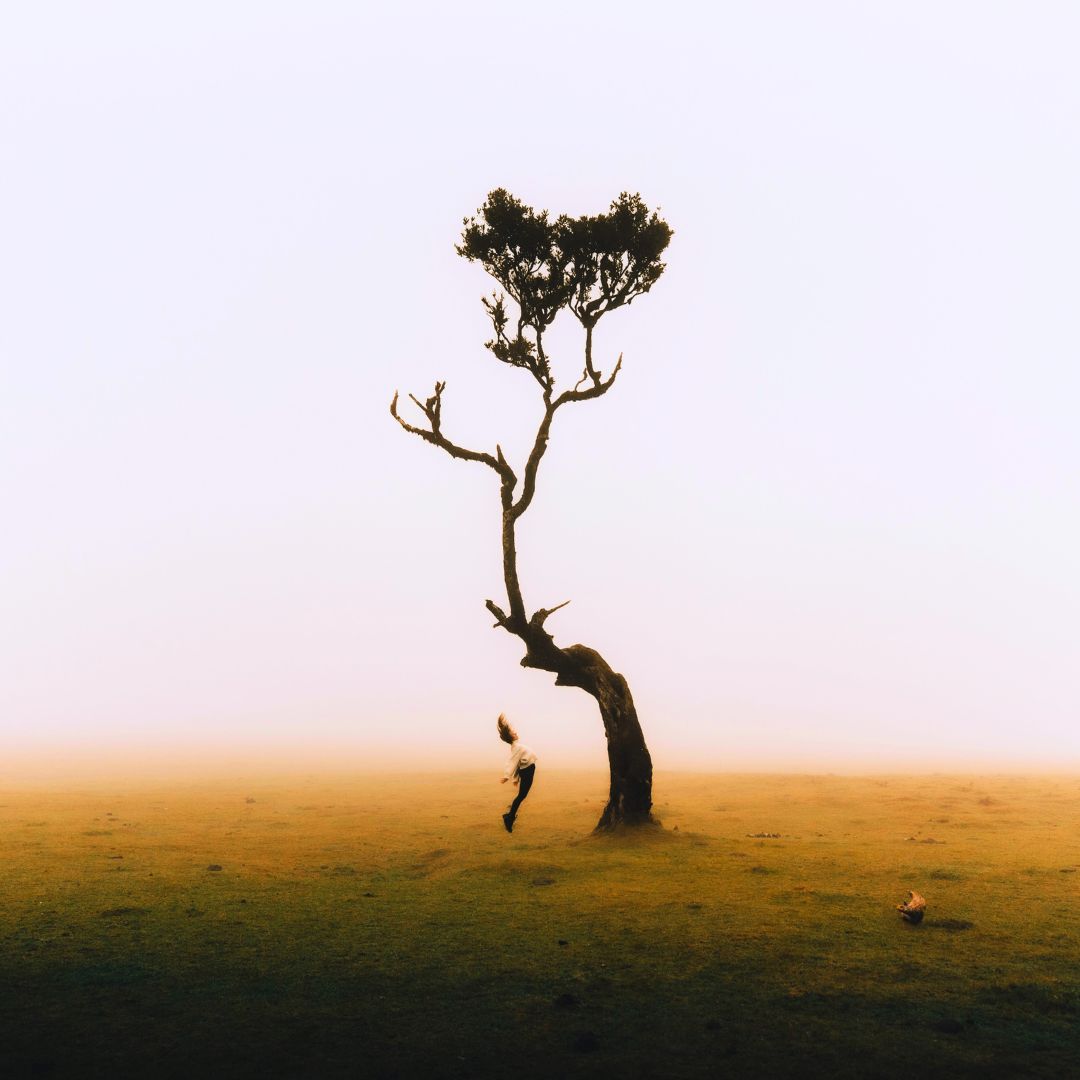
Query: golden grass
{"points": [[387, 926]]}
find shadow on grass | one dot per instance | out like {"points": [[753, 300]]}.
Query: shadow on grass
{"points": [[322, 1016]]}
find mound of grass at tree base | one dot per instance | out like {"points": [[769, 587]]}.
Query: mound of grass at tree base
{"points": [[383, 926]]}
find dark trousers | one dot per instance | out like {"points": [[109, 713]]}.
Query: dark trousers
{"points": [[525, 779]]}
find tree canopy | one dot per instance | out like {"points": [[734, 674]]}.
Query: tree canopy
{"points": [[589, 265]]}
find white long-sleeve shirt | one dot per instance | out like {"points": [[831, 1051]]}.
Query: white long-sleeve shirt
{"points": [[521, 757]]}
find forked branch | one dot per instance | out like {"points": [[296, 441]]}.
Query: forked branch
{"points": [[599, 387], [432, 409]]}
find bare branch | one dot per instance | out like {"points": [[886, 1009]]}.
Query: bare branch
{"points": [[594, 375], [432, 409], [507, 473], [540, 617], [599, 387], [501, 618], [528, 488]]}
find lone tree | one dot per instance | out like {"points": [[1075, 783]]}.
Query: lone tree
{"points": [[588, 266]]}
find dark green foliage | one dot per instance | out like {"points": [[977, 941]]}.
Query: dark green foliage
{"points": [[589, 265], [615, 256]]}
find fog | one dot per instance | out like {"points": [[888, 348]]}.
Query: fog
{"points": [[826, 518]]}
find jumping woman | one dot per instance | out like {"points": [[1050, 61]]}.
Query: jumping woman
{"points": [[521, 768]]}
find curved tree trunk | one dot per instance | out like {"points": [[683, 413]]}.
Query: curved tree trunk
{"points": [[630, 795], [630, 792]]}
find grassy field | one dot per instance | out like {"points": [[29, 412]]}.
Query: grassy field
{"points": [[383, 926]]}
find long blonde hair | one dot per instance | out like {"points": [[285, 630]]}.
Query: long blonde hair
{"points": [[506, 732]]}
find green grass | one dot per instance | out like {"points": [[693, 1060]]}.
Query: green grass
{"points": [[380, 926]]}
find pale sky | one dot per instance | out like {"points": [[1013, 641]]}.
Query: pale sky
{"points": [[828, 516]]}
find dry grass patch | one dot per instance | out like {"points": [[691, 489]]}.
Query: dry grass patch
{"points": [[393, 922]]}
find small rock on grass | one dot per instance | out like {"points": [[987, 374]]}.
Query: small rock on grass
{"points": [[214, 867], [543, 881]]}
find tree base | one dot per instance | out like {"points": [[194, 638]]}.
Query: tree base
{"points": [[647, 832], [634, 824], [616, 816]]}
